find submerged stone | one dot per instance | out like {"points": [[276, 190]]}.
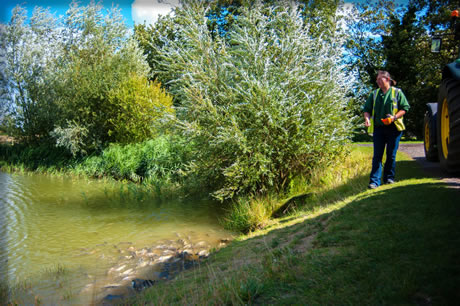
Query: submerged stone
{"points": [[140, 284], [164, 258], [111, 286], [113, 297], [203, 253], [129, 271]]}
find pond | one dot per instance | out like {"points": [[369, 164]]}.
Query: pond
{"points": [[72, 241]]}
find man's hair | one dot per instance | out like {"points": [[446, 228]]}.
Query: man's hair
{"points": [[387, 74]]}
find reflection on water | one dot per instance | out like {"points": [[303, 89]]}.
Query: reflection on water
{"points": [[62, 235]]}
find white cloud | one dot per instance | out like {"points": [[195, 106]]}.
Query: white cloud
{"points": [[148, 11]]}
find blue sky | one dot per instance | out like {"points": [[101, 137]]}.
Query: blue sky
{"points": [[134, 11]]}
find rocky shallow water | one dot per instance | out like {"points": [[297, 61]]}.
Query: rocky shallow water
{"points": [[135, 269]]}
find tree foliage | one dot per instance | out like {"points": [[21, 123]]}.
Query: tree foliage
{"points": [[319, 16], [262, 109], [397, 39], [408, 58], [436, 12], [366, 24], [151, 38], [97, 57]]}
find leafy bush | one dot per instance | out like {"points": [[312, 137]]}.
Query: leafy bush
{"points": [[263, 108], [98, 62], [157, 161], [140, 104], [73, 138]]}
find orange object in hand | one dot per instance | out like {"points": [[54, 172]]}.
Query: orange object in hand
{"points": [[387, 120]]}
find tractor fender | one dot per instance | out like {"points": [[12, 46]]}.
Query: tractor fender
{"points": [[430, 132], [432, 108], [452, 71]]}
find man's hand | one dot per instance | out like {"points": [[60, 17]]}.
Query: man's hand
{"points": [[367, 122], [388, 120], [367, 119]]}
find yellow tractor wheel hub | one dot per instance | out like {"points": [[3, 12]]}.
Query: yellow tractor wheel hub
{"points": [[445, 128]]}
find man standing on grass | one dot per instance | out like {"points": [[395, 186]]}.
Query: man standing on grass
{"points": [[383, 116]]}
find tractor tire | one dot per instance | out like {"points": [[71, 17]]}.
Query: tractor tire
{"points": [[448, 125], [429, 139]]}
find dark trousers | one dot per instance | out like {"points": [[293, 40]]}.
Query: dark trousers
{"points": [[389, 137]]}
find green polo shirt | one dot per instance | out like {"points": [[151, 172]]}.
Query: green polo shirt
{"points": [[383, 105]]}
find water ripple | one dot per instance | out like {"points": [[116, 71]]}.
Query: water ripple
{"points": [[15, 232]]}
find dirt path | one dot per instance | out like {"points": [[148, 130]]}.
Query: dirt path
{"points": [[416, 151]]}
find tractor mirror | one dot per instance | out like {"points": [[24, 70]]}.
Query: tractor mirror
{"points": [[436, 44]]}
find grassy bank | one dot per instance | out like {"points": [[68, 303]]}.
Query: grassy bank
{"points": [[398, 244], [324, 184]]}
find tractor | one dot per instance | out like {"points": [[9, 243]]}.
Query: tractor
{"points": [[442, 118]]}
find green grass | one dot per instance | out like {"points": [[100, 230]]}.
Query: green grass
{"points": [[398, 244]]}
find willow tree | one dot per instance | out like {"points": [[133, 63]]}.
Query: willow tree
{"points": [[29, 49], [261, 109]]}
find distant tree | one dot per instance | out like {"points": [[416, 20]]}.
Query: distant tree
{"points": [[366, 24], [436, 16], [436, 13], [397, 39], [408, 59], [152, 37]]}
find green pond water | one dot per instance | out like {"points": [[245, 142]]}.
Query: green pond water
{"points": [[66, 241]]}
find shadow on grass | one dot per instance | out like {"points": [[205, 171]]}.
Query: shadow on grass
{"points": [[392, 246], [396, 245], [406, 169]]}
